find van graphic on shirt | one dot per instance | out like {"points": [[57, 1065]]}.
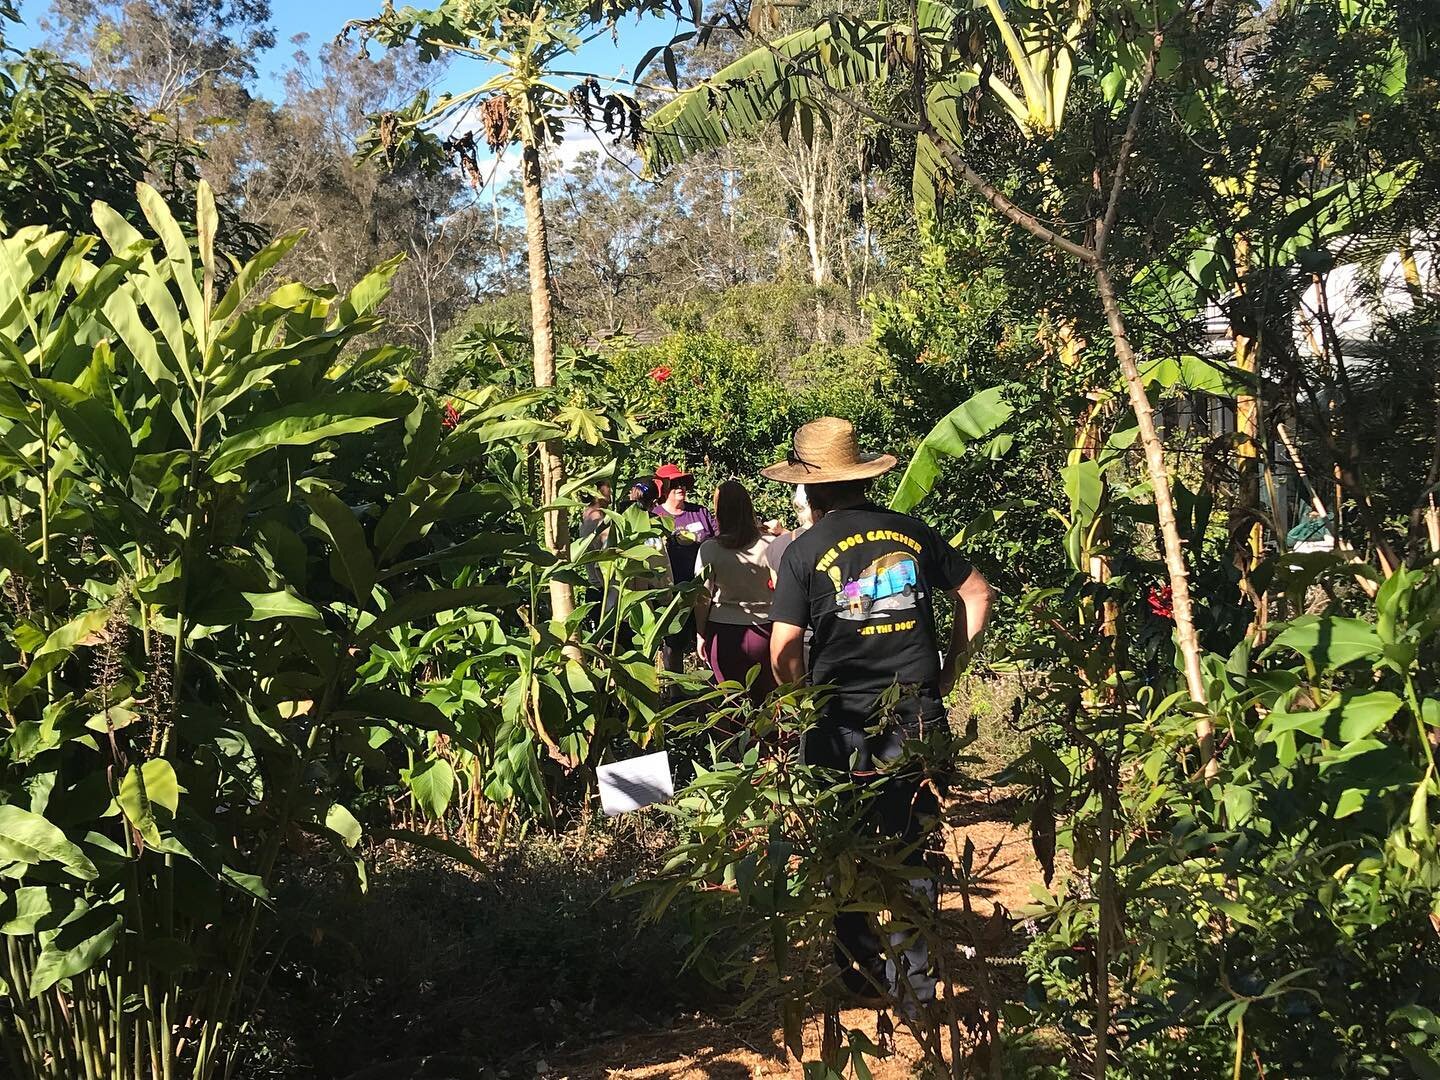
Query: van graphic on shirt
{"points": [[888, 584]]}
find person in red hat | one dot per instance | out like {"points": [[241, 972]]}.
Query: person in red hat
{"points": [[690, 526]]}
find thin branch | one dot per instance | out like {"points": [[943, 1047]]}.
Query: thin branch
{"points": [[1001, 202], [1127, 144]]}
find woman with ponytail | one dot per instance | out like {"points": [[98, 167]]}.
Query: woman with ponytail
{"points": [[732, 614]]}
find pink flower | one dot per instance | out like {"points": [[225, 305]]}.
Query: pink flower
{"points": [[451, 419], [661, 373]]}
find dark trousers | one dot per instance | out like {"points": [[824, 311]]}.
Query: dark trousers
{"points": [[678, 646], [898, 808]]}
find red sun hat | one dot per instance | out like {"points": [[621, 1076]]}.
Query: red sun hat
{"points": [[668, 472]]}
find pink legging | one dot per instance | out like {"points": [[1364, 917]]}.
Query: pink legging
{"points": [[733, 650]]}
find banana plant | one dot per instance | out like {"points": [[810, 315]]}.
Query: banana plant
{"points": [[778, 81]]}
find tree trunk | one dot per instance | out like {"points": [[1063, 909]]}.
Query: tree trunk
{"points": [[1175, 567], [1425, 511], [814, 244], [542, 319], [1094, 257], [1246, 532]]}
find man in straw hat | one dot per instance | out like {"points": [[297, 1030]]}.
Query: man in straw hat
{"points": [[864, 580]]}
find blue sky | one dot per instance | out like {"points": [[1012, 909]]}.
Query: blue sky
{"points": [[322, 20]]}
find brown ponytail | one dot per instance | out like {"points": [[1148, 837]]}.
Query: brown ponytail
{"points": [[735, 514]]}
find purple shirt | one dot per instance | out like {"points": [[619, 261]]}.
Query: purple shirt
{"points": [[693, 526]]}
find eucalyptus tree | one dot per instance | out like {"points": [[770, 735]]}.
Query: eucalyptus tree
{"points": [[955, 59], [191, 60], [525, 103]]}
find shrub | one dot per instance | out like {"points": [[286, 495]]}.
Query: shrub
{"points": [[207, 525], [718, 405]]}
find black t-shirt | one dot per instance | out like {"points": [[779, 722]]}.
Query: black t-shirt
{"points": [[863, 580]]}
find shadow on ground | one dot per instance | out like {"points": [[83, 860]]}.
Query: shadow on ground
{"points": [[443, 973]]}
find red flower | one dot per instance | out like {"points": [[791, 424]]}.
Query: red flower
{"points": [[451, 419], [661, 373], [1161, 602]]}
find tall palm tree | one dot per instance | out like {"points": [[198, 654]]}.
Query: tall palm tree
{"points": [[522, 104]]}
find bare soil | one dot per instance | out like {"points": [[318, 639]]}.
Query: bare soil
{"points": [[696, 1048]]}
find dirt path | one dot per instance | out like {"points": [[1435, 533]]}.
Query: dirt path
{"points": [[700, 1049]]}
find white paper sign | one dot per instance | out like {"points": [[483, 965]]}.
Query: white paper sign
{"points": [[629, 785]]}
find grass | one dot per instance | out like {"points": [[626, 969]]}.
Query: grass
{"points": [[985, 709], [443, 971]]}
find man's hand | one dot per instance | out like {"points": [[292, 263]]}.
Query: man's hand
{"points": [[787, 652]]}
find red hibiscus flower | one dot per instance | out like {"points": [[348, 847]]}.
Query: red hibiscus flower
{"points": [[451, 418], [661, 373], [1161, 602]]}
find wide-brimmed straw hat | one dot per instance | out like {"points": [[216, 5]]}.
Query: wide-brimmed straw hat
{"points": [[825, 452]]}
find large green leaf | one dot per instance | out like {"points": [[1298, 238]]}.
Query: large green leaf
{"points": [[231, 608], [75, 947], [135, 804], [1196, 373], [24, 256], [1330, 641], [119, 234], [1084, 487], [80, 630], [340, 821], [1347, 717], [487, 548], [974, 419], [91, 424], [423, 605], [370, 290], [380, 703], [1342, 209], [774, 83], [350, 560], [146, 786], [412, 513], [30, 839], [35, 907], [16, 557], [123, 315], [1363, 714], [308, 422], [433, 785], [177, 248], [253, 271]]}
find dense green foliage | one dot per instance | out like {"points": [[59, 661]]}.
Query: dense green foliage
{"points": [[251, 572], [720, 405], [274, 604], [65, 144]]}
